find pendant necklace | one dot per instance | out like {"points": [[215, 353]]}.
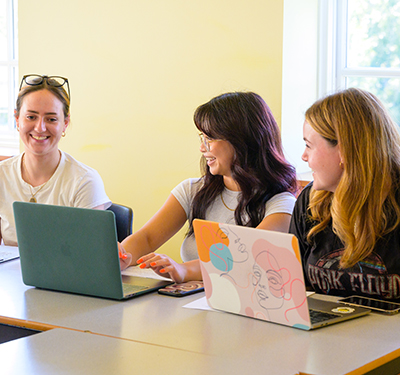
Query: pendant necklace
{"points": [[230, 209], [33, 199]]}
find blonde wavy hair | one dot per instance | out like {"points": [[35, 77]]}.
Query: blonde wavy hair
{"points": [[365, 205]]}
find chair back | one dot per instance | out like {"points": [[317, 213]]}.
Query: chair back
{"points": [[123, 219]]}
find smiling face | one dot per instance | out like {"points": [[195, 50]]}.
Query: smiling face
{"points": [[41, 123], [323, 158], [219, 160]]}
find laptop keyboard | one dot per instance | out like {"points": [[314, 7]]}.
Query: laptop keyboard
{"points": [[320, 316], [4, 254], [130, 289]]}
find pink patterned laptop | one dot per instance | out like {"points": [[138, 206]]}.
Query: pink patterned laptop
{"points": [[258, 274]]}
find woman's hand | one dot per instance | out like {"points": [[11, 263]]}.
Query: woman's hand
{"points": [[164, 266], [125, 258]]}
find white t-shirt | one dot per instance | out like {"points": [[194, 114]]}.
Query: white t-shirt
{"points": [[73, 184], [186, 190]]}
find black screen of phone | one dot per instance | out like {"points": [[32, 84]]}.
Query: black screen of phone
{"points": [[372, 303]]}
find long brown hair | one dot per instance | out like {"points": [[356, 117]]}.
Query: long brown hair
{"points": [[259, 166], [365, 205]]}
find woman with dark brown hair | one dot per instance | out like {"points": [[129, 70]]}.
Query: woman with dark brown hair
{"points": [[246, 181]]}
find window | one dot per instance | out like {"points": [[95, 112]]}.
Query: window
{"points": [[9, 140], [360, 47]]}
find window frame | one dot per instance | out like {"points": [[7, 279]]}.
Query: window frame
{"points": [[9, 139], [333, 49]]}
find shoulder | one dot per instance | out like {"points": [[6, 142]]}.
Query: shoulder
{"points": [[300, 223], [76, 167], [280, 203], [282, 197], [10, 164], [191, 181], [304, 197], [11, 160], [301, 208], [187, 189], [189, 184]]}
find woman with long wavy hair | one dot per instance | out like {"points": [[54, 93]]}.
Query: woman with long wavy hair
{"points": [[246, 181], [347, 220]]}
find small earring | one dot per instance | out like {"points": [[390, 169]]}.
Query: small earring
{"points": [[341, 165], [63, 134], [17, 128]]}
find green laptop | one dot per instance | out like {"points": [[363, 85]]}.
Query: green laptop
{"points": [[74, 250]]}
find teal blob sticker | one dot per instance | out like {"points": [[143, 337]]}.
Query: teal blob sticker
{"points": [[221, 257]]}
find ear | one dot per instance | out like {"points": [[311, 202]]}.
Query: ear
{"points": [[66, 122], [341, 159]]}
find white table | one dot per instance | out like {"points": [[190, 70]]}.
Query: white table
{"points": [[161, 321]]}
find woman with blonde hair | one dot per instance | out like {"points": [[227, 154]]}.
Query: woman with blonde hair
{"points": [[347, 220]]}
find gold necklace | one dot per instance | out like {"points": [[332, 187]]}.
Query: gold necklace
{"points": [[222, 199], [33, 199]]}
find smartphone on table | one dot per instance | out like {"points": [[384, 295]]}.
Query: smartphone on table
{"points": [[183, 289], [376, 305]]}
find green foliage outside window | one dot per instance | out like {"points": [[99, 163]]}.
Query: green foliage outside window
{"points": [[374, 41]]}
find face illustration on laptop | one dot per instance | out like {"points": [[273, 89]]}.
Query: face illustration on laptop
{"points": [[258, 273], [272, 286]]}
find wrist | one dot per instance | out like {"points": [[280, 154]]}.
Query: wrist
{"points": [[192, 270]]}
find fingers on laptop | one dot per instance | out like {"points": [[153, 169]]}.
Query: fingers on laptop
{"points": [[124, 257], [158, 262], [163, 266], [150, 260], [125, 262]]}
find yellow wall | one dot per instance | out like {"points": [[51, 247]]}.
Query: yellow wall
{"points": [[137, 71]]}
